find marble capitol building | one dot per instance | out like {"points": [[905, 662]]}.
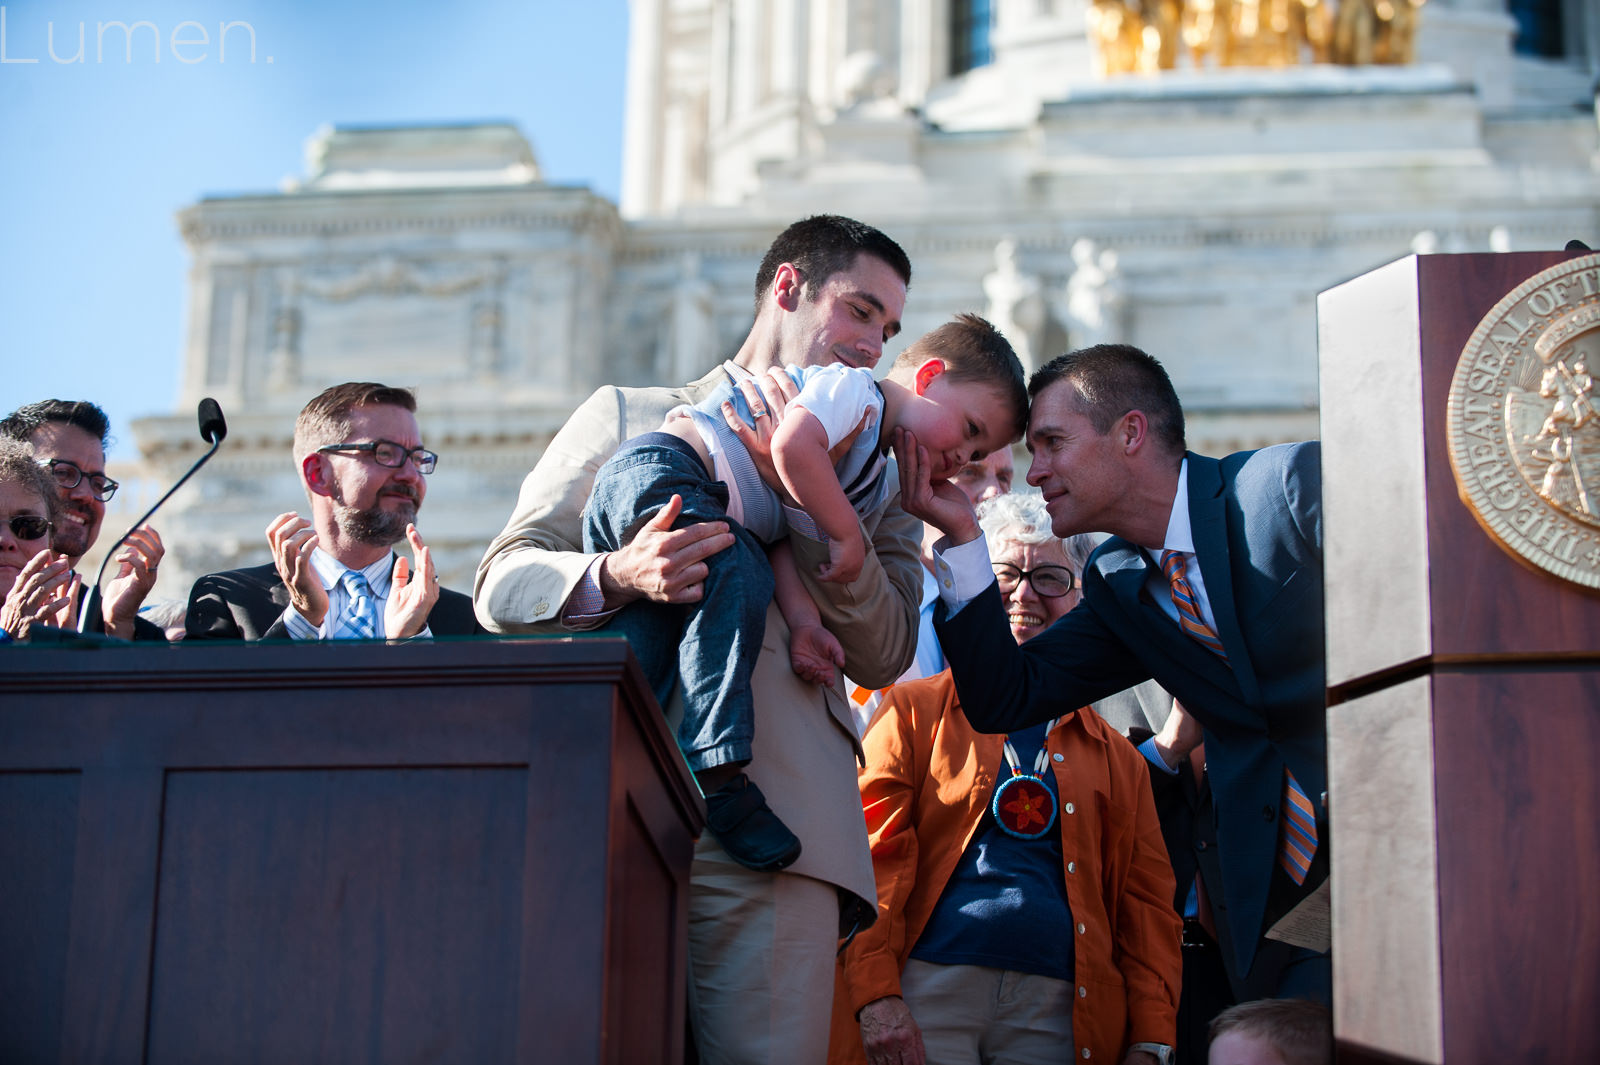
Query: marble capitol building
{"points": [[1187, 182]]}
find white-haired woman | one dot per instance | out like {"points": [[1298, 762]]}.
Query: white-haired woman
{"points": [[1024, 892], [35, 582]]}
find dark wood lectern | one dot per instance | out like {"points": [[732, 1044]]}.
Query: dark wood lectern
{"points": [[1464, 709], [471, 852]]}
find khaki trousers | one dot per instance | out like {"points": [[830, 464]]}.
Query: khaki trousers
{"points": [[761, 953], [971, 1014]]}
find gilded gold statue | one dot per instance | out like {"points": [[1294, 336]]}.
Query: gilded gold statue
{"points": [[1145, 36]]}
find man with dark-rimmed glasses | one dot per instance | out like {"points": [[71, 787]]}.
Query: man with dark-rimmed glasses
{"points": [[336, 576], [69, 439]]}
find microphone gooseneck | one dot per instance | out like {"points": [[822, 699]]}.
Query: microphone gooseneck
{"points": [[213, 430]]}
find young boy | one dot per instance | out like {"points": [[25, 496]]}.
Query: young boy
{"points": [[1281, 1031], [959, 390]]}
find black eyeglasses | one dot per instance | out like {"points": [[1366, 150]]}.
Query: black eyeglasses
{"points": [[1052, 582], [70, 474], [29, 526], [390, 454]]}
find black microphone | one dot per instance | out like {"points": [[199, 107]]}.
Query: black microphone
{"points": [[213, 430]]}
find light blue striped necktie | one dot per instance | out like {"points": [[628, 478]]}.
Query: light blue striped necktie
{"points": [[360, 620]]}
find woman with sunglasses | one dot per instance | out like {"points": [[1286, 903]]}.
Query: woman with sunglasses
{"points": [[35, 583], [1024, 892]]}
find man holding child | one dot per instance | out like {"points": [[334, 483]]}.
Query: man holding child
{"points": [[829, 290]]}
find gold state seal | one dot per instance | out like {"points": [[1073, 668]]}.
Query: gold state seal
{"points": [[1523, 428]]}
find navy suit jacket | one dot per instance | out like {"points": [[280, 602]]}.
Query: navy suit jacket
{"points": [[248, 604], [1257, 522]]}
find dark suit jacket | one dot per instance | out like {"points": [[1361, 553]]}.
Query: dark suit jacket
{"points": [[1257, 522], [248, 604], [144, 630]]}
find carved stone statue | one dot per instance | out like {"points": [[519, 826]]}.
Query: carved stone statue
{"points": [[865, 85], [283, 361], [1016, 303], [1093, 301]]}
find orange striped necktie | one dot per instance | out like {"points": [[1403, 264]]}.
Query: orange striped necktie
{"points": [[1297, 842], [1297, 837], [1176, 568]]}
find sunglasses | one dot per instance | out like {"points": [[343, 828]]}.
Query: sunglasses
{"points": [[29, 526]]}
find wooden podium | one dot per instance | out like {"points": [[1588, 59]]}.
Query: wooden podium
{"points": [[1464, 708], [462, 852]]}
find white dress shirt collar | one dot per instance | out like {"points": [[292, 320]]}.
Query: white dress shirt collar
{"points": [[1180, 534], [331, 571]]}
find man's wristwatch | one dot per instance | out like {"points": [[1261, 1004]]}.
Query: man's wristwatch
{"points": [[1160, 1051]]}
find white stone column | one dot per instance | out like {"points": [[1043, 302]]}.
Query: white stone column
{"points": [[749, 57], [789, 32], [721, 90], [917, 63], [826, 50], [641, 139]]}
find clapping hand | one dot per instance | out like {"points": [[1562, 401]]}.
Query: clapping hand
{"points": [[43, 594], [292, 540], [411, 596], [135, 577]]}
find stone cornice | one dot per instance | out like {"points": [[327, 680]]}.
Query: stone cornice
{"points": [[335, 214]]}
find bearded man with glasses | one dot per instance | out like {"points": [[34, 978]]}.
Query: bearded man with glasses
{"points": [[336, 576], [69, 440]]}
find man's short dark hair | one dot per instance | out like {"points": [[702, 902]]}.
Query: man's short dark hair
{"points": [[326, 419], [21, 423], [1301, 1031], [824, 245], [20, 466], [974, 350], [1111, 380]]}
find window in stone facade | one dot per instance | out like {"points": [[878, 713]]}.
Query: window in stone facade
{"points": [[1538, 26], [970, 23]]}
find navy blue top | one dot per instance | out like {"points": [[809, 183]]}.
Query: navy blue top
{"points": [[1005, 905]]}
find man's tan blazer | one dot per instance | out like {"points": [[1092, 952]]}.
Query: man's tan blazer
{"points": [[805, 748]]}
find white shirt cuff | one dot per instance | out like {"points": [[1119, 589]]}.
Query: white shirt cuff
{"points": [[962, 571]]}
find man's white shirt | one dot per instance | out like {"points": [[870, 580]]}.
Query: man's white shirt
{"points": [[330, 571]]}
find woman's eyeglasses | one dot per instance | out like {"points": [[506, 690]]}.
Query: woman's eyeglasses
{"points": [[1051, 582]]}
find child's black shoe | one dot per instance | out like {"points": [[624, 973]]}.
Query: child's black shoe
{"points": [[738, 815]]}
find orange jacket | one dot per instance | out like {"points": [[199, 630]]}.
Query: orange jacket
{"points": [[928, 779]]}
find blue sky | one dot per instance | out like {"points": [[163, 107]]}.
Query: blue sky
{"points": [[97, 156]]}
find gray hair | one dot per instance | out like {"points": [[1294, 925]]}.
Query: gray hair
{"points": [[18, 465], [1021, 517]]}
